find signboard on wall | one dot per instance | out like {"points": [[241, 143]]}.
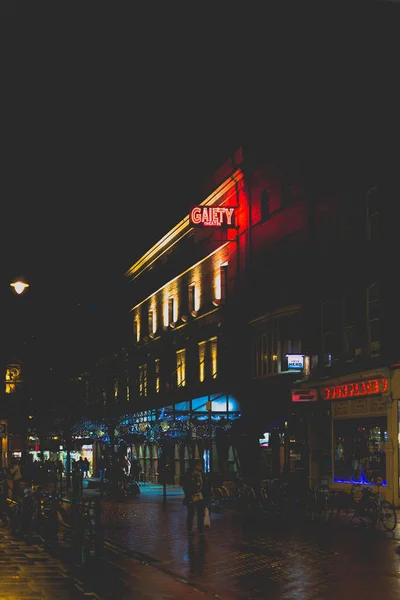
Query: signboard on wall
{"points": [[295, 362], [366, 387], [213, 216], [309, 395]]}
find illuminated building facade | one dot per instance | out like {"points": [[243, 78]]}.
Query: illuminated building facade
{"points": [[275, 287]]}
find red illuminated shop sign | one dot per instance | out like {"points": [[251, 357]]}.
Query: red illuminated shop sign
{"points": [[359, 388], [213, 216]]}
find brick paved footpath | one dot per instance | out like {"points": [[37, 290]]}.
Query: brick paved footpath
{"points": [[28, 572], [243, 559]]}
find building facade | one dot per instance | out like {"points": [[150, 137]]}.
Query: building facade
{"points": [[276, 287]]}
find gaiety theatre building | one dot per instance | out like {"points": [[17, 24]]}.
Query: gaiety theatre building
{"points": [[183, 359]]}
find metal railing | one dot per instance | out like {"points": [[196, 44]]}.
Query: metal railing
{"points": [[53, 520]]}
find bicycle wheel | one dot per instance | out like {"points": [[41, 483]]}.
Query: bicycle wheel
{"points": [[387, 515]]}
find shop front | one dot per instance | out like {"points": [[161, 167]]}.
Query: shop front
{"points": [[364, 431]]}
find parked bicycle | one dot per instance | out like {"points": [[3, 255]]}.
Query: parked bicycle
{"points": [[386, 512]]}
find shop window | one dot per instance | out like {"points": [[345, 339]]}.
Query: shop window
{"points": [[359, 450], [374, 314], [143, 380], [181, 368], [265, 206]]}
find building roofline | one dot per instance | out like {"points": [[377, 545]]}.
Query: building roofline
{"points": [[181, 229]]}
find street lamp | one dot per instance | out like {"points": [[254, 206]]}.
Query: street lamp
{"points": [[19, 286]]}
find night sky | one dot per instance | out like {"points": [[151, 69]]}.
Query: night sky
{"points": [[104, 149], [88, 184]]}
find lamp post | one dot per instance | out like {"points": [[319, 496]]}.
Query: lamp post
{"points": [[19, 286]]}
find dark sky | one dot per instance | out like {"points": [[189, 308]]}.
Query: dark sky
{"points": [[96, 165], [104, 143]]}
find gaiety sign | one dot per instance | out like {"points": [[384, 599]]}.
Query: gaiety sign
{"points": [[359, 388], [212, 216]]}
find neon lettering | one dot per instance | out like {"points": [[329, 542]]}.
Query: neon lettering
{"points": [[229, 213], [195, 215], [212, 216], [358, 388]]}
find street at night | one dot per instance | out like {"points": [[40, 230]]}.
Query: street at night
{"points": [[242, 558], [199, 308]]}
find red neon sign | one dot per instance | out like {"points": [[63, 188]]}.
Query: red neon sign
{"points": [[212, 216], [359, 388]]}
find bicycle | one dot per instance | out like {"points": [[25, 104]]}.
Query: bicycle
{"points": [[360, 505], [386, 512]]}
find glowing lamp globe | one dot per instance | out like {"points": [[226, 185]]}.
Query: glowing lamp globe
{"points": [[19, 286]]}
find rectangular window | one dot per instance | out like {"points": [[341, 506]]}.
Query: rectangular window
{"points": [[213, 343], [289, 339], [265, 206], [202, 360], [359, 455], [157, 374], [136, 329], [171, 310], [143, 380], [152, 322], [374, 313], [192, 298], [221, 282], [181, 368]]}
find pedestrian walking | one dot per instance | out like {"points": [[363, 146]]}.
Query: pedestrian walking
{"points": [[76, 480], [86, 466], [195, 489], [15, 476], [136, 469]]}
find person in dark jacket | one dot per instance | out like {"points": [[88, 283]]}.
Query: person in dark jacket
{"points": [[196, 491]]}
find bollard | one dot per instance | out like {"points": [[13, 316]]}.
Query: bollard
{"points": [[164, 493]]}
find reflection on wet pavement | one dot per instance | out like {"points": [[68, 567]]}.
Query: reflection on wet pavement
{"points": [[240, 558]]}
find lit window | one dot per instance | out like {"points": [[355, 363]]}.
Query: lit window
{"points": [[221, 282], [152, 322], [157, 372], [136, 329], [208, 359], [172, 311], [214, 356], [181, 368], [202, 358], [143, 380], [194, 300]]}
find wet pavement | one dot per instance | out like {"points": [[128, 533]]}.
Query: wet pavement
{"points": [[243, 558], [28, 572]]}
